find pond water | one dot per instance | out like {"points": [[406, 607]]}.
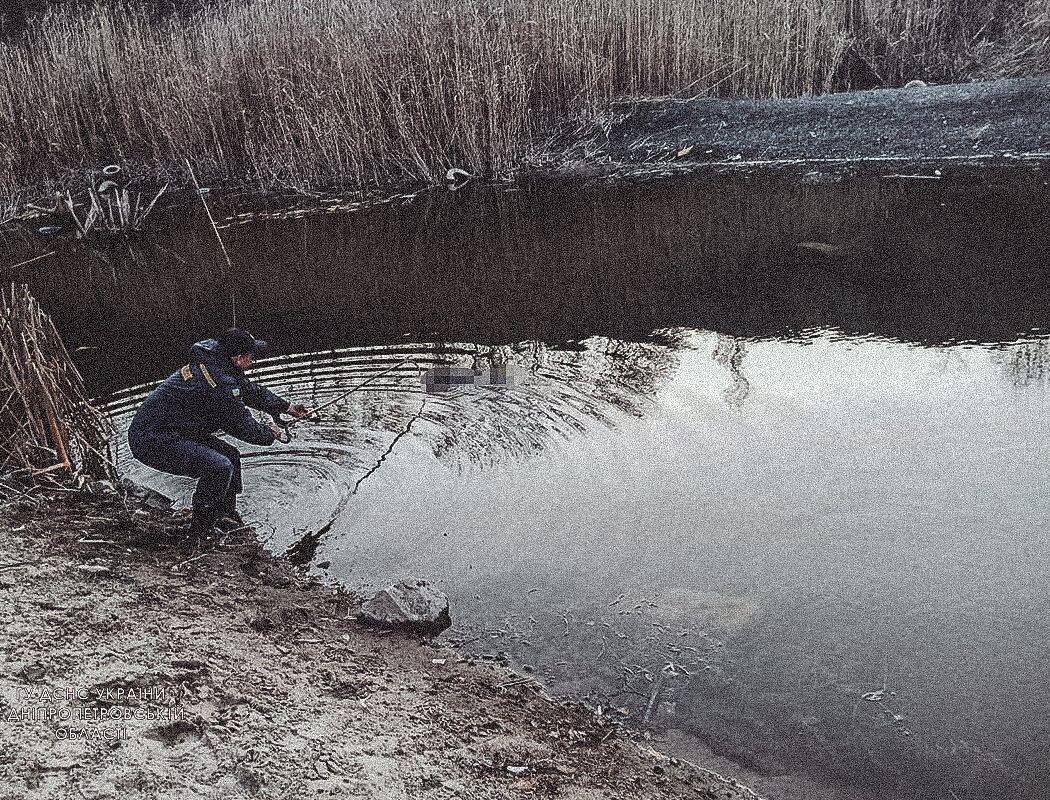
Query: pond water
{"points": [[769, 479]]}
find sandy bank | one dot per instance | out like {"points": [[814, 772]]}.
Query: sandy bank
{"points": [[134, 665]]}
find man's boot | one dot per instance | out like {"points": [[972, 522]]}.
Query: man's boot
{"points": [[202, 523], [230, 518]]}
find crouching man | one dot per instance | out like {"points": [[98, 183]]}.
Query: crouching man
{"points": [[173, 430]]}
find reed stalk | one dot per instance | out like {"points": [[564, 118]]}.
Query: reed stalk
{"points": [[47, 424]]}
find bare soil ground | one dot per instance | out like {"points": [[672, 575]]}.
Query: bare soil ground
{"points": [[134, 664], [880, 131]]}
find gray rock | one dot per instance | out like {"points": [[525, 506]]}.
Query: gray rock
{"points": [[102, 488], [411, 605]]}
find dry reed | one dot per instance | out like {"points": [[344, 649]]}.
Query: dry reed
{"points": [[365, 93], [111, 210], [47, 425], [9, 210]]}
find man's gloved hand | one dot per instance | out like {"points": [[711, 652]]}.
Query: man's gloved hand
{"points": [[298, 410]]}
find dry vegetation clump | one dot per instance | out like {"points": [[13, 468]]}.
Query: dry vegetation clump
{"points": [[1028, 51], [946, 40], [113, 209], [367, 93], [47, 425]]}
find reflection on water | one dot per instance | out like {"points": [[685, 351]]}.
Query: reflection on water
{"points": [[867, 524], [921, 261], [772, 473], [1026, 362], [729, 353]]}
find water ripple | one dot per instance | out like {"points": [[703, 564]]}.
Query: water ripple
{"points": [[557, 394]]}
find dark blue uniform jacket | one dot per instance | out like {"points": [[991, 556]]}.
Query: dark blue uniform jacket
{"points": [[207, 395]]}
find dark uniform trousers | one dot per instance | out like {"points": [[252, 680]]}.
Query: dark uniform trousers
{"points": [[216, 463]]}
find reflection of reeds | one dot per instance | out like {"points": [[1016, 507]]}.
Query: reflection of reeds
{"points": [[558, 394], [1026, 363], [46, 422], [360, 92], [729, 353]]}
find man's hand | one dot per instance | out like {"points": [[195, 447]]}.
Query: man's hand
{"points": [[273, 426], [298, 410]]}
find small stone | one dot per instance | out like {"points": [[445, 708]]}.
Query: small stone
{"points": [[517, 772], [35, 671], [150, 497], [96, 569], [102, 488]]}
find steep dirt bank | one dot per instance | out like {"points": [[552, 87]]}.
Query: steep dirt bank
{"points": [[135, 665], [882, 131]]}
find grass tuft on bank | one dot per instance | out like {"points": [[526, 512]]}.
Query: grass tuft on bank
{"points": [[373, 93]]}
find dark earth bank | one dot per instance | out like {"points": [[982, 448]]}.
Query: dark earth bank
{"points": [[880, 131]]}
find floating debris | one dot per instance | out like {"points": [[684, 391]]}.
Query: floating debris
{"points": [[820, 247], [457, 178]]}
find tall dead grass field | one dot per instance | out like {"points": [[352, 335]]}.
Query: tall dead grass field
{"points": [[373, 93]]}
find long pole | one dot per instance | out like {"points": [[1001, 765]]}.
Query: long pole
{"points": [[214, 227], [30, 261]]}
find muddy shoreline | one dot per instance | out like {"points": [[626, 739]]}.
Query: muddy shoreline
{"points": [[138, 665]]}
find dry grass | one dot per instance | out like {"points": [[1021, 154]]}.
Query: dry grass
{"points": [[944, 40], [47, 425], [365, 93], [9, 208], [1028, 51], [113, 209]]}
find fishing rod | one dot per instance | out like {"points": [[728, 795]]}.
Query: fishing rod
{"points": [[286, 424]]}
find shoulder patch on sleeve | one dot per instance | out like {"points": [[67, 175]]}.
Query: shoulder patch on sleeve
{"points": [[207, 376], [236, 391]]}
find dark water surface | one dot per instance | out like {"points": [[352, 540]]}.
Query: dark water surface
{"points": [[772, 474]]}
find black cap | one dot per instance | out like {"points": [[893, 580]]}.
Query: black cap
{"points": [[237, 341]]}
